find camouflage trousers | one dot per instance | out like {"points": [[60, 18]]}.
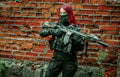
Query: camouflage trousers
{"points": [[68, 68]]}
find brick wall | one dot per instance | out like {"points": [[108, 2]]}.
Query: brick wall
{"points": [[21, 20]]}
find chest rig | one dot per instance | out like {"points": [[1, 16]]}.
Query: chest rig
{"points": [[62, 43]]}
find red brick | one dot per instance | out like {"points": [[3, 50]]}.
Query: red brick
{"points": [[77, 1], [11, 47], [78, 16], [110, 7], [111, 32], [102, 22], [36, 28], [110, 48], [93, 46], [89, 7], [106, 37], [111, 53], [30, 5], [39, 14], [9, 40], [116, 37], [114, 18], [57, 5], [5, 52], [6, 31], [86, 22], [43, 20], [4, 8], [24, 14], [53, 10], [112, 58], [38, 10], [106, 17], [85, 30], [98, 17], [54, 20], [60, 0], [16, 9], [18, 41], [93, 55], [33, 59], [26, 0], [45, 10], [68, 0], [40, 46], [95, 31], [31, 54], [53, 0], [26, 46], [102, 2], [94, 1], [78, 6], [47, 15], [26, 28], [85, 1], [50, 51], [86, 12], [20, 22], [18, 53], [118, 29], [54, 15], [2, 27], [85, 16], [31, 9], [103, 12], [14, 18], [2, 46], [46, 0], [115, 23], [112, 42], [117, 7], [46, 55], [30, 58], [116, 13], [4, 18], [90, 60], [37, 50], [14, 27], [46, 59], [18, 32], [3, 13], [19, 57], [32, 14], [29, 19], [18, 4], [108, 28], [33, 23], [102, 8]]}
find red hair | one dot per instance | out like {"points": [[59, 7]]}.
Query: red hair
{"points": [[70, 14]]}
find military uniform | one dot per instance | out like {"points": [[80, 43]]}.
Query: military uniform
{"points": [[65, 50]]}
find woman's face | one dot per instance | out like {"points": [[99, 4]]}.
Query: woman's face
{"points": [[64, 17], [63, 12]]}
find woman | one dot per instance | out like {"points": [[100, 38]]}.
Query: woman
{"points": [[65, 45]]}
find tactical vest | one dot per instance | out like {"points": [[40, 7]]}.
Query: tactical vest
{"points": [[57, 42]]}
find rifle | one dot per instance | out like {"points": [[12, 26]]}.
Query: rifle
{"points": [[90, 37]]}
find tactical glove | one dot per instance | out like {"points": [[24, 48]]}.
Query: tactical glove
{"points": [[76, 38]]}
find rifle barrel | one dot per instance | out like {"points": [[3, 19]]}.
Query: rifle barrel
{"points": [[103, 44]]}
